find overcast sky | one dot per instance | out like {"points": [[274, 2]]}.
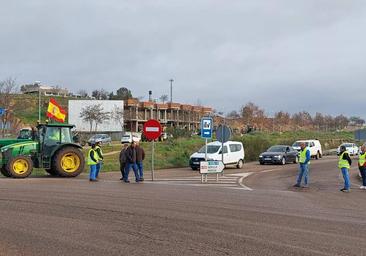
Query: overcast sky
{"points": [[280, 54]]}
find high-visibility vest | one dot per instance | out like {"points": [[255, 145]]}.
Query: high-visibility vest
{"points": [[90, 160], [100, 149], [362, 159], [302, 158], [343, 163]]}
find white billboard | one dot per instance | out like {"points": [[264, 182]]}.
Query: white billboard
{"points": [[107, 107]]}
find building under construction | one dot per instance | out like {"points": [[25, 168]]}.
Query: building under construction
{"points": [[168, 114]]}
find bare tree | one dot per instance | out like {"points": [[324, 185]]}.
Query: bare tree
{"points": [[117, 115], [88, 115], [282, 119], [163, 98], [7, 89], [94, 114], [101, 117], [83, 93]]}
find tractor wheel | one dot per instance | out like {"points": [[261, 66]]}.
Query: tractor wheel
{"points": [[68, 162], [51, 172], [19, 167], [4, 171]]}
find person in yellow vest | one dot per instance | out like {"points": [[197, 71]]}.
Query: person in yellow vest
{"points": [[362, 166], [92, 162], [304, 161], [344, 164], [99, 152]]}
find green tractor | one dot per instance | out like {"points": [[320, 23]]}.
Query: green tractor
{"points": [[52, 148]]}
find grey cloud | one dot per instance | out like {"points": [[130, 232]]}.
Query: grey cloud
{"points": [[284, 54]]}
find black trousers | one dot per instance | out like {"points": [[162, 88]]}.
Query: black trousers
{"points": [[122, 167], [363, 174]]}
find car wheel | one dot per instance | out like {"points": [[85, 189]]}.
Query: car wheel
{"points": [[283, 162], [240, 164], [194, 168], [317, 155], [296, 160], [261, 163]]}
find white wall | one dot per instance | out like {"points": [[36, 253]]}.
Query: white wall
{"points": [[76, 106]]}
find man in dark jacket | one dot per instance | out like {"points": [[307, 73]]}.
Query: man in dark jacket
{"points": [[131, 162], [122, 161], [140, 156]]}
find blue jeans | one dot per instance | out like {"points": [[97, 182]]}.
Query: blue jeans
{"points": [[345, 174], [99, 166], [363, 174], [134, 168], [303, 172], [140, 167], [93, 171]]}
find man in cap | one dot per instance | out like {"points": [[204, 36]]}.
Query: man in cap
{"points": [[99, 152], [92, 161], [304, 161], [344, 164]]}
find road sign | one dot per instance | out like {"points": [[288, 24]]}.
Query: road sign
{"points": [[206, 127], [2, 111], [152, 129], [207, 167], [223, 133]]}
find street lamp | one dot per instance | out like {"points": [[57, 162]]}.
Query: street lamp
{"points": [[38, 83], [171, 90]]}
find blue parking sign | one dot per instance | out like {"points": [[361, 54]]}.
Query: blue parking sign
{"points": [[2, 111], [206, 127]]}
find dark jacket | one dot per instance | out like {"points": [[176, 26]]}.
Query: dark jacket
{"points": [[140, 154], [131, 155], [122, 156]]}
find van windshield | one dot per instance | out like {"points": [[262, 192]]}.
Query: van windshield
{"points": [[297, 144], [211, 149]]}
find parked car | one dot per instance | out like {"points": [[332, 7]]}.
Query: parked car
{"points": [[233, 154], [128, 137], [352, 148], [105, 138], [314, 146], [279, 154]]}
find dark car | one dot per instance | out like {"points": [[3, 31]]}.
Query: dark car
{"points": [[279, 154]]}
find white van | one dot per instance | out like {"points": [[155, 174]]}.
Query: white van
{"points": [[233, 154], [314, 146], [128, 137]]}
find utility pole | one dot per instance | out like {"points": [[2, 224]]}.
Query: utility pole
{"points": [[171, 90], [39, 99]]}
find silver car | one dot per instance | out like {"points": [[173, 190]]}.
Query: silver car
{"points": [[104, 138]]}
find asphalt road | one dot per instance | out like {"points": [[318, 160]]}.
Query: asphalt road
{"points": [[50, 216]]}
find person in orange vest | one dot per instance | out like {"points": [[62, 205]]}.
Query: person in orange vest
{"points": [[362, 166]]}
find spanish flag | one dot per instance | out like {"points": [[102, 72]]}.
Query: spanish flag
{"points": [[55, 111]]}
